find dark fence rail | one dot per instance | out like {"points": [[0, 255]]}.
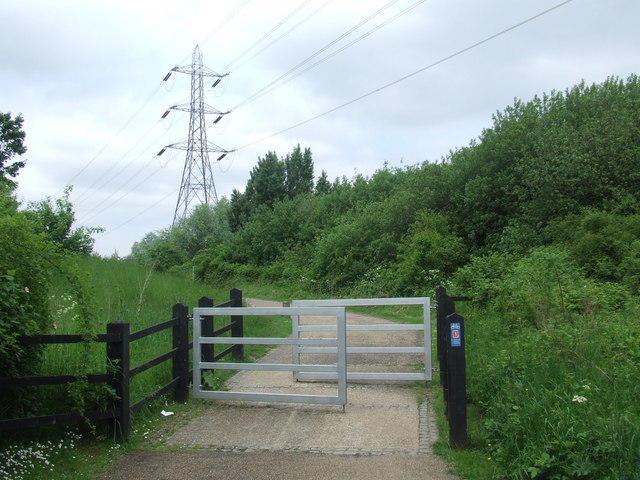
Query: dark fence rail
{"points": [[118, 340]]}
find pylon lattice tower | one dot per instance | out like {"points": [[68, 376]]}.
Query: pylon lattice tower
{"points": [[197, 186]]}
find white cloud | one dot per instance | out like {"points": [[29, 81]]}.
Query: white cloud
{"points": [[87, 78]]}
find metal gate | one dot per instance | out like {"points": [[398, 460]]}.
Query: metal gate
{"points": [[425, 349], [338, 344]]}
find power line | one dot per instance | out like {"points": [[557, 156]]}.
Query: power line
{"points": [[231, 15], [270, 32], [308, 59], [224, 23], [108, 144], [126, 222], [412, 74], [94, 212], [341, 49], [311, 15], [111, 168]]}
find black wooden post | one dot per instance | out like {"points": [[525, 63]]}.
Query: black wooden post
{"points": [[237, 323], [119, 363], [180, 368], [444, 308], [456, 380], [208, 353]]}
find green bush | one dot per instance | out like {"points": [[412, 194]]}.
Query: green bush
{"points": [[25, 288], [24, 304], [552, 359], [429, 254], [546, 285]]}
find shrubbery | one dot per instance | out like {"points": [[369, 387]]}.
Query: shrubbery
{"points": [[24, 301], [549, 357]]}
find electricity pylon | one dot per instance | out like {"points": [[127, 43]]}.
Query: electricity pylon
{"points": [[197, 184]]}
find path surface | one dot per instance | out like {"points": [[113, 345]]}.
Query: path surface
{"points": [[384, 433]]}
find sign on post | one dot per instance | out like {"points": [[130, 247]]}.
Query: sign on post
{"points": [[456, 334]]}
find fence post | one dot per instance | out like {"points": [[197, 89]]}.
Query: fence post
{"points": [[119, 362], [444, 307], [180, 368], [237, 323], [456, 381], [208, 352]]}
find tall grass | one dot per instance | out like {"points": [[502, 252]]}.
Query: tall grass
{"points": [[121, 291]]}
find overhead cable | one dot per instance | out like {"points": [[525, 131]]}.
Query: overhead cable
{"points": [[270, 32], [126, 222], [412, 74], [87, 191], [341, 49], [308, 59], [311, 15], [124, 127]]}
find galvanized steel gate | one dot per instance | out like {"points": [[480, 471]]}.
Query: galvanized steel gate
{"points": [[337, 370], [337, 345], [425, 349]]}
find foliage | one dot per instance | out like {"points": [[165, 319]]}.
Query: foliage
{"points": [[56, 221], [11, 145], [28, 263], [24, 291], [606, 245], [363, 241], [547, 376], [299, 172], [430, 254], [323, 185], [206, 226], [271, 181], [545, 159]]}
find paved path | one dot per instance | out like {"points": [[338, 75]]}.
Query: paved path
{"points": [[384, 432]]}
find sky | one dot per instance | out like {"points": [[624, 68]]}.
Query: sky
{"points": [[362, 84]]}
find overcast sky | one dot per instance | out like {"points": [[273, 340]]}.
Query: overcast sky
{"points": [[86, 75]]}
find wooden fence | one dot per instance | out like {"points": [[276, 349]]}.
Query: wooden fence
{"points": [[119, 341]]}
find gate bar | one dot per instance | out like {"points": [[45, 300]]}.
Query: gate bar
{"points": [[338, 370], [427, 374]]}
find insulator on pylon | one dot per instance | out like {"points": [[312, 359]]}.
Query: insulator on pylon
{"points": [[161, 151], [166, 113], [216, 82], [221, 156], [218, 119], [166, 77]]}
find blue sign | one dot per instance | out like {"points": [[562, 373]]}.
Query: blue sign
{"points": [[456, 334]]}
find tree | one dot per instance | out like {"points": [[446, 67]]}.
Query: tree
{"points": [[299, 172], [323, 185], [271, 181], [56, 221], [11, 144], [207, 225], [239, 210], [266, 184], [26, 261], [141, 251]]}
